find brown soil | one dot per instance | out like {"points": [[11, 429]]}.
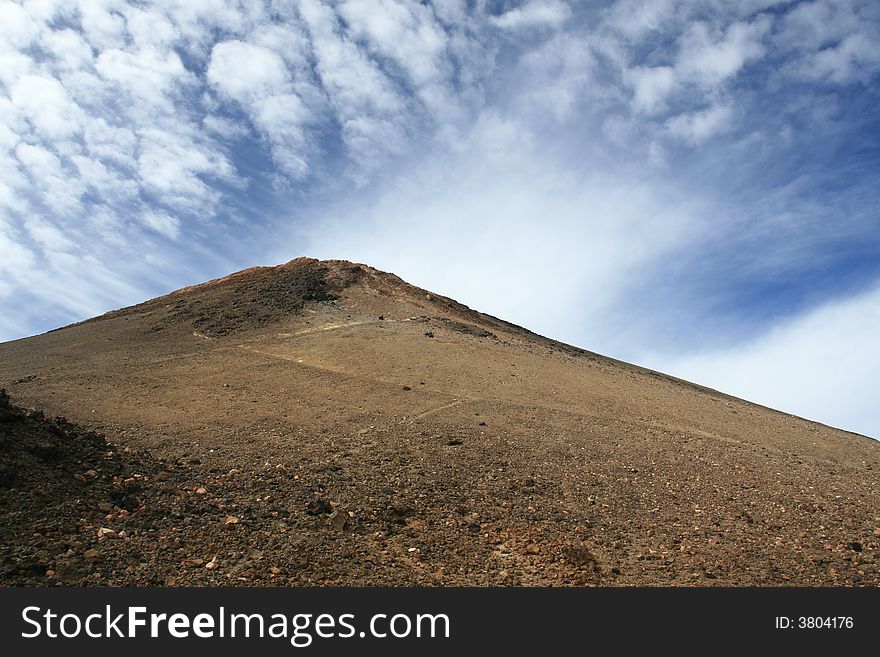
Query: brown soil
{"points": [[326, 423]]}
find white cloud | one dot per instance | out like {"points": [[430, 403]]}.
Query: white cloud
{"points": [[14, 256], [111, 144], [17, 28], [407, 33], [534, 13], [636, 18], [651, 85], [710, 58], [247, 73], [815, 25], [48, 236], [13, 65], [706, 59], [821, 365], [560, 77], [224, 128], [150, 76], [855, 59], [697, 127], [409, 36], [162, 223], [174, 167], [370, 109], [59, 190], [258, 79], [105, 181], [102, 26], [69, 49], [47, 106]]}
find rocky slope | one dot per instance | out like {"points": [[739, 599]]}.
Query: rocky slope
{"points": [[327, 423]]}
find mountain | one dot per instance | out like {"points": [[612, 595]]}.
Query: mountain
{"points": [[322, 422]]}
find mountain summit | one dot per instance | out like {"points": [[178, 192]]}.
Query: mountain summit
{"points": [[322, 422]]}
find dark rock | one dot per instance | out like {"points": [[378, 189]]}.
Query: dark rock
{"points": [[580, 556], [7, 476], [398, 514], [46, 451], [855, 546], [455, 441], [429, 334], [129, 503], [318, 506]]}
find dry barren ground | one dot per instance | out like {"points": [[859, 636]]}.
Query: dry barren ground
{"points": [[326, 423]]}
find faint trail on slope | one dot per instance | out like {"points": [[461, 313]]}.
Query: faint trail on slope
{"points": [[318, 329], [438, 409]]}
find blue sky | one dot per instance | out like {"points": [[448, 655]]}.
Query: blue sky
{"points": [[687, 184]]}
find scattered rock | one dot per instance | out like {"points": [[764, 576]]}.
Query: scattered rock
{"points": [[581, 556], [338, 519], [230, 520], [92, 554], [46, 451], [318, 506], [399, 514], [201, 491], [212, 564]]}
